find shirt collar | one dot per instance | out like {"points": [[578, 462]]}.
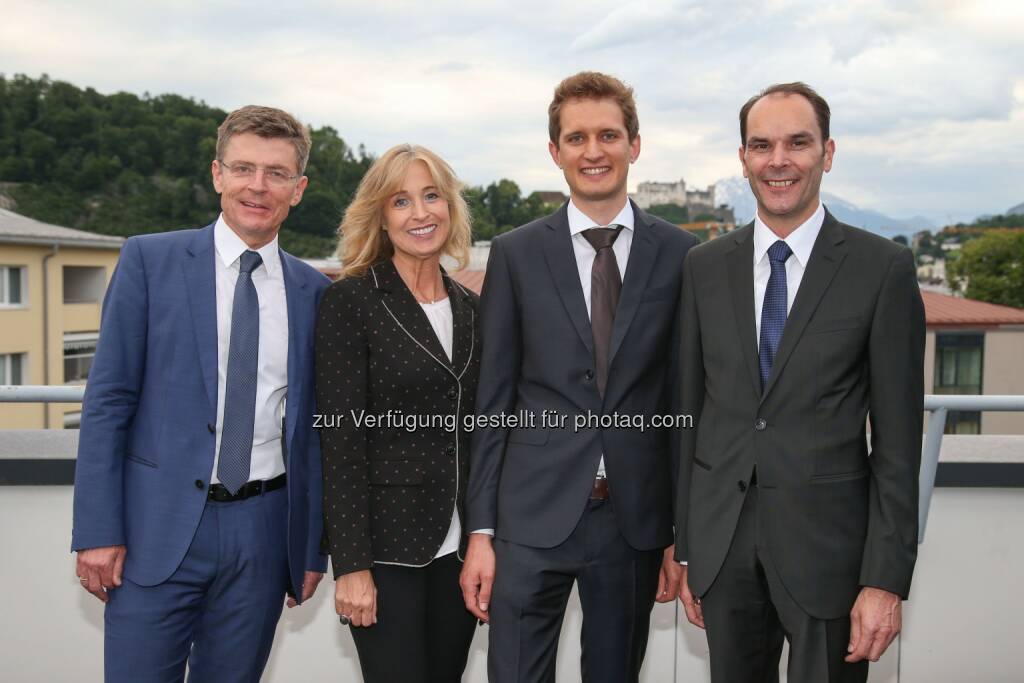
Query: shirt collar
{"points": [[230, 246], [800, 241], [579, 221]]}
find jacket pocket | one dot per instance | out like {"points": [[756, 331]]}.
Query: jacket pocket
{"points": [[833, 325], [141, 461], [700, 463], [531, 436], [842, 476], [396, 473], [660, 293]]}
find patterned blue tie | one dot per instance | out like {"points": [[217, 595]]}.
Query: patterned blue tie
{"points": [[773, 312], [240, 392]]}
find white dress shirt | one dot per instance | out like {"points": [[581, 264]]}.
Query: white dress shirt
{"points": [[585, 254], [272, 368], [439, 313], [801, 242]]}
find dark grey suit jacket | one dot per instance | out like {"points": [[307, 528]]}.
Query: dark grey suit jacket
{"points": [[833, 518], [532, 484]]}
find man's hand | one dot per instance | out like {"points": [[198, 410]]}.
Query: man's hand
{"points": [[694, 612], [100, 568], [875, 621], [309, 584], [355, 597], [668, 577], [477, 576]]}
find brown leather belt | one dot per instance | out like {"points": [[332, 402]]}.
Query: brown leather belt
{"points": [[600, 490]]}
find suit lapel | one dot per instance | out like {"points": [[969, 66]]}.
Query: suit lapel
{"points": [[407, 312], [462, 326], [642, 254], [200, 279], [740, 269], [826, 257], [299, 328], [561, 260]]}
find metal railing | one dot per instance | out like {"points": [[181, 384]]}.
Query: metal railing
{"points": [[938, 405], [29, 393]]}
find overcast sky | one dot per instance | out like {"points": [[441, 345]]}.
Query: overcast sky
{"points": [[927, 97]]}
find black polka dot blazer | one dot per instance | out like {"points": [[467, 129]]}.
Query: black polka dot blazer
{"points": [[390, 491]]}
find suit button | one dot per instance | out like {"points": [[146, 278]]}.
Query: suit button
{"points": [[761, 424], [741, 485], [452, 394], [450, 450], [210, 427], [589, 375], [200, 484]]}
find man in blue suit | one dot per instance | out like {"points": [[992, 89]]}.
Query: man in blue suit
{"points": [[198, 485]]}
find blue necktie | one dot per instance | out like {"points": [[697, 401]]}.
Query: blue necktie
{"points": [[240, 392], [773, 311]]}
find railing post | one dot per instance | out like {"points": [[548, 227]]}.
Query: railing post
{"points": [[929, 467]]}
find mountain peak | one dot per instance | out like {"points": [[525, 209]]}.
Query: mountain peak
{"points": [[735, 191]]}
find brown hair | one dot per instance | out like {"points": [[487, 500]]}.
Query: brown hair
{"points": [[267, 122], [821, 109], [592, 85], [361, 241]]}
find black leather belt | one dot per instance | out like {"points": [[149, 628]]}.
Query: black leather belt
{"points": [[220, 494], [600, 490]]}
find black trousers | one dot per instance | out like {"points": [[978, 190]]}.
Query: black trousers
{"points": [[617, 586], [748, 612], [423, 631]]}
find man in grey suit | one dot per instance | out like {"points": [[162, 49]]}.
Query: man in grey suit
{"points": [[797, 330], [579, 320]]}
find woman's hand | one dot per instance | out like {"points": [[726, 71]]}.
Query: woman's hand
{"points": [[355, 597]]}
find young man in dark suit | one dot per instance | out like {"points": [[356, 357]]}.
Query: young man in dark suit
{"points": [[578, 318], [798, 331]]}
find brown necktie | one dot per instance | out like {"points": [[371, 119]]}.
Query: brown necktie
{"points": [[605, 284]]}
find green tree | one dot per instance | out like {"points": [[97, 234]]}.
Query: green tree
{"points": [[122, 164], [673, 213], [991, 268], [483, 223], [1015, 220]]}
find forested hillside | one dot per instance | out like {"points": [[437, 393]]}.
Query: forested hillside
{"points": [[123, 164]]}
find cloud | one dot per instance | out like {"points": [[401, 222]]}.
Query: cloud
{"points": [[927, 95], [637, 22], [447, 66]]}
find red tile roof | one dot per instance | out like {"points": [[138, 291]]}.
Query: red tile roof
{"points": [[943, 310], [470, 279]]}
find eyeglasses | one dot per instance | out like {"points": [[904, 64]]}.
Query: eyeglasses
{"points": [[278, 177]]}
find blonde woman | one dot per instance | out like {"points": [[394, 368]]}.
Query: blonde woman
{"points": [[397, 364]]}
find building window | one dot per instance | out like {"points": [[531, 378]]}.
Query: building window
{"points": [[84, 284], [79, 349], [12, 286], [958, 366], [13, 368]]}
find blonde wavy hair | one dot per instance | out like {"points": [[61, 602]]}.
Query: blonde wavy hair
{"points": [[361, 241]]}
